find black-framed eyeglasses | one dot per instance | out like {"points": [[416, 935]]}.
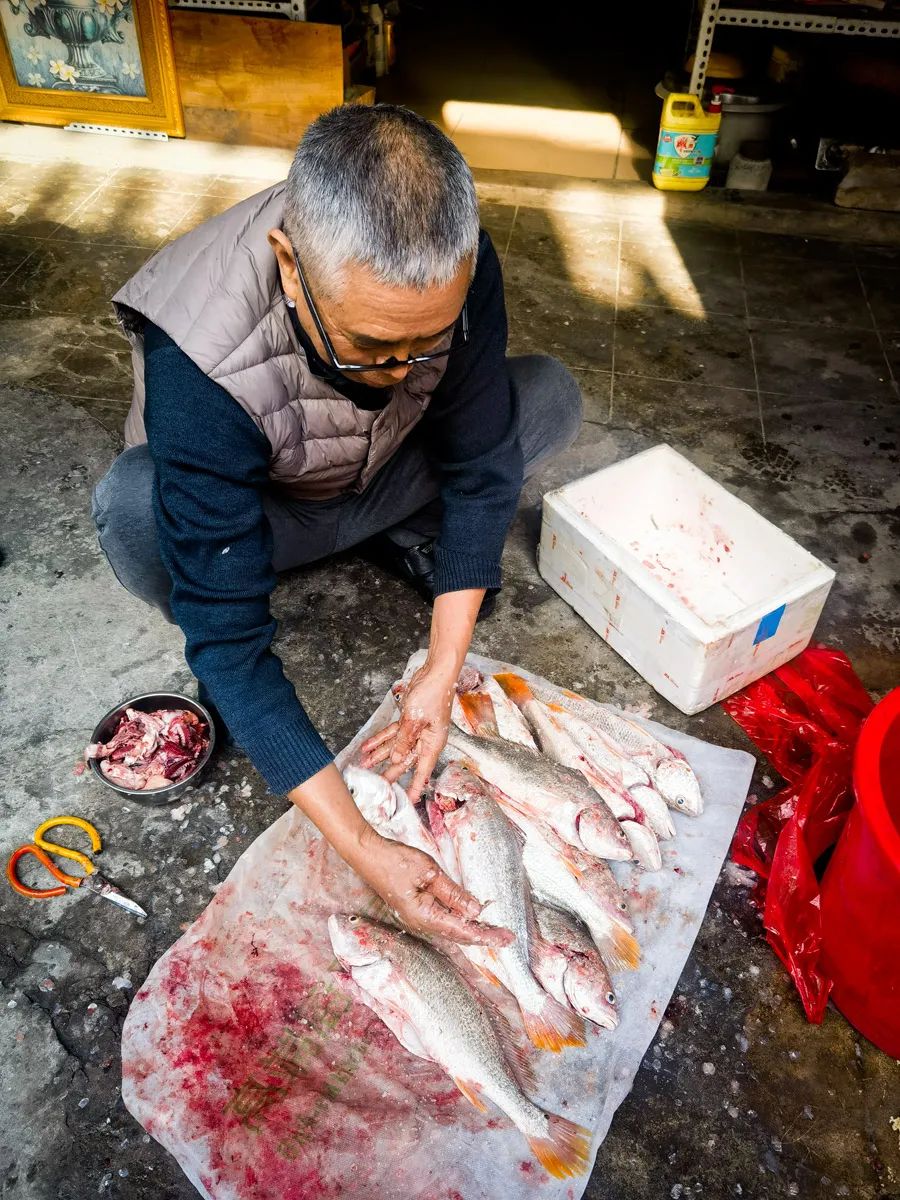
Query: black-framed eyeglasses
{"points": [[389, 364]]}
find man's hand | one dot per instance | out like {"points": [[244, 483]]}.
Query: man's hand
{"points": [[421, 733], [426, 900], [410, 883]]}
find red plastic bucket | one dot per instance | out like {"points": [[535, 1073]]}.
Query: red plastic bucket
{"points": [[860, 893]]}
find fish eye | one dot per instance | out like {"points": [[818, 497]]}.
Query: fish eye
{"points": [[610, 998], [680, 801], [623, 906], [354, 920]]}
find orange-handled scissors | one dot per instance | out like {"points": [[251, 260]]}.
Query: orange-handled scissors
{"points": [[41, 849]]}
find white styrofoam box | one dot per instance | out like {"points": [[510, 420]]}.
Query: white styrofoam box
{"points": [[697, 591]]}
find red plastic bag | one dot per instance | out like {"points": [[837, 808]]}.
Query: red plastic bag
{"points": [[805, 717]]}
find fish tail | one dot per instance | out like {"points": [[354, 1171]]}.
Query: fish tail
{"points": [[564, 1151], [479, 710], [516, 688], [554, 1027], [618, 948]]}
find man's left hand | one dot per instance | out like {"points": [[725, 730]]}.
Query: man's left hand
{"points": [[418, 738]]}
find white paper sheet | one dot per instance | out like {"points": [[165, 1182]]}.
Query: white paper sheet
{"points": [[397, 1138]]}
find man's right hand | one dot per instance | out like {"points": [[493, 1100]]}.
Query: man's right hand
{"points": [[425, 899]]}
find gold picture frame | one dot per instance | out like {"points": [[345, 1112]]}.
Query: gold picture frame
{"points": [[98, 62]]}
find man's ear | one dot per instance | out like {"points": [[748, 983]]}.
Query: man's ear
{"points": [[281, 248]]}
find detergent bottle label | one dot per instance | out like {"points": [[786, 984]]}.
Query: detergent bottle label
{"points": [[684, 155]]}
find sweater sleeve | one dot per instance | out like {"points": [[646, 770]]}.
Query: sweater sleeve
{"points": [[211, 467], [472, 431]]}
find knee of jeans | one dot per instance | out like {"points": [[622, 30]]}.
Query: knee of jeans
{"points": [[122, 508], [549, 400], [124, 494], [569, 406]]}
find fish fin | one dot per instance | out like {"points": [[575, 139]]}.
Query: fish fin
{"points": [[574, 695], [554, 1027], [516, 1049], [572, 867], [618, 948], [485, 973], [472, 1092], [479, 712], [516, 688], [644, 845], [565, 1151], [554, 708], [378, 910]]}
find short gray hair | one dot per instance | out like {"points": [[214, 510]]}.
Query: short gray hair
{"points": [[380, 186]]}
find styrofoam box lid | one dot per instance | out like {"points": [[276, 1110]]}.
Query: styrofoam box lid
{"points": [[703, 554]]}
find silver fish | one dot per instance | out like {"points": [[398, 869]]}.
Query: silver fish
{"points": [[546, 792], [608, 759], [556, 741], [434, 1014], [568, 965], [576, 887], [510, 724], [669, 771], [489, 853]]}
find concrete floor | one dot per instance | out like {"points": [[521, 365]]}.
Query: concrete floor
{"points": [[769, 359]]}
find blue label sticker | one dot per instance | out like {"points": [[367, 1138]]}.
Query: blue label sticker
{"points": [[768, 626]]}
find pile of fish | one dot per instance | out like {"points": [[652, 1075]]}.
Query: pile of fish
{"points": [[539, 791], [151, 750]]}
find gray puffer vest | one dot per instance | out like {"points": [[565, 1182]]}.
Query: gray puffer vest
{"points": [[216, 292]]}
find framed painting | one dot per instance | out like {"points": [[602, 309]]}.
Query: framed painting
{"points": [[101, 62]]}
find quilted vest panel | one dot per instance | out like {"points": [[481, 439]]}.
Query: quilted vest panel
{"points": [[216, 292]]}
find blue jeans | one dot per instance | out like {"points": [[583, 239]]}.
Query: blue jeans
{"points": [[402, 499]]}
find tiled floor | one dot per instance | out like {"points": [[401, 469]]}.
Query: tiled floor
{"points": [[769, 360], [630, 305]]}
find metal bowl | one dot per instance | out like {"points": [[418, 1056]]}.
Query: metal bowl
{"points": [[150, 703]]}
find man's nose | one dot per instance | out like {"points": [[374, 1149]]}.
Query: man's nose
{"points": [[398, 372]]}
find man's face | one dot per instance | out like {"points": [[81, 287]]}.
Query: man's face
{"points": [[368, 321]]}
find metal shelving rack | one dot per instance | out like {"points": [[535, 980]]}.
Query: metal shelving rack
{"points": [[798, 21]]}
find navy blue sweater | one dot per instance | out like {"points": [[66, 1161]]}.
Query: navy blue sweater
{"points": [[212, 470]]}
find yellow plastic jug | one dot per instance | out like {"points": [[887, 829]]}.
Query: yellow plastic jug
{"points": [[687, 144]]}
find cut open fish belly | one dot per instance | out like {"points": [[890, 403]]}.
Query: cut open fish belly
{"points": [[442, 839], [434, 1014]]}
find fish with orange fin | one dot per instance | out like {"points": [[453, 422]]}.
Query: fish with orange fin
{"points": [[489, 853], [569, 966], [434, 1014], [544, 791], [641, 823], [669, 771]]}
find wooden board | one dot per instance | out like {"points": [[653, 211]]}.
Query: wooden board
{"points": [[255, 81]]}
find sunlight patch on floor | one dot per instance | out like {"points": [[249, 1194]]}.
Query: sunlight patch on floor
{"points": [[514, 137]]}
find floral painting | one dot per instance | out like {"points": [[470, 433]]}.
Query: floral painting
{"points": [[74, 45]]}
